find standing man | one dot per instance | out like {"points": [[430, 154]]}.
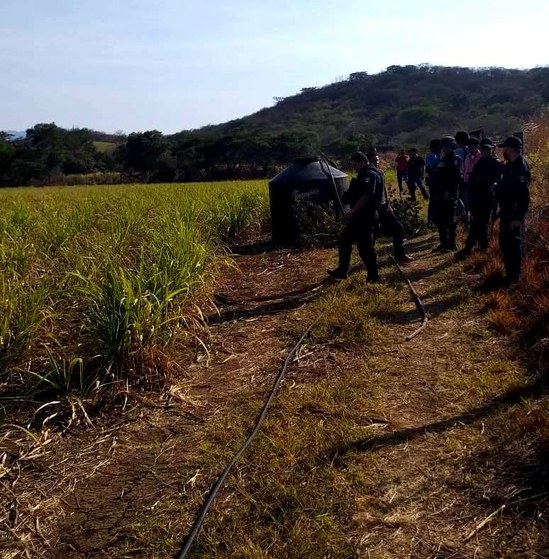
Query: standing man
{"points": [[401, 169], [364, 195], [512, 199], [387, 218], [416, 173], [444, 192], [481, 183]]}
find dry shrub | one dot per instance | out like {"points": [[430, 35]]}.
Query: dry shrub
{"points": [[502, 312]]}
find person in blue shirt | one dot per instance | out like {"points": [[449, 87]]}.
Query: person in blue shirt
{"points": [[431, 162]]}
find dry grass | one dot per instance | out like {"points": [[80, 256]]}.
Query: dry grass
{"points": [[374, 448]]}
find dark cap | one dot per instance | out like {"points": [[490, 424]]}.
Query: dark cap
{"points": [[462, 137], [372, 151], [473, 141], [487, 143], [511, 142], [435, 144], [448, 142], [358, 156]]}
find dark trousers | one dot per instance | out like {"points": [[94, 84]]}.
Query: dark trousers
{"points": [[478, 228], [401, 176], [443, 214], [392, 225], [464, 196], [511, 244], [363, 234], [414, 182]]}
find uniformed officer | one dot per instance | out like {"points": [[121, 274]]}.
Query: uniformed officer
{"points": [[387, 218], [364, 196], [482, 180], [445, 180], [512, 199]]}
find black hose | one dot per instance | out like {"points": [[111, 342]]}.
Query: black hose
{"points": [[417, 300], [326, 161], [199, 520]]}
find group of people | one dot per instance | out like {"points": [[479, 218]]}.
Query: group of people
{"points": [[410, 169], [464, 176]]}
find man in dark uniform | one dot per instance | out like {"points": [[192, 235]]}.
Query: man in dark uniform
{"points": [[444, 186], [416, 173], [512, 198], [482, 180], [364, 196], [387, 218]]}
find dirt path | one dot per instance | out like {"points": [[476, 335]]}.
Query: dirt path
{"points": [[141, 461], [399, 436]]}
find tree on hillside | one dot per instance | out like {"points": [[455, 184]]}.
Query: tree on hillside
{"points": [[142, 153], [7, 152]]}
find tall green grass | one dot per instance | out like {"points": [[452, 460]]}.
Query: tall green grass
{"points": [[99, 275]]}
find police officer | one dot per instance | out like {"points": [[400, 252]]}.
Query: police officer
{"points": [[482, 180], [445, 181], [387, 218], [512, 198], [364, 196]]}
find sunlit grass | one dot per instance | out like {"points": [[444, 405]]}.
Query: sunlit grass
{"points": [[100, 274]]}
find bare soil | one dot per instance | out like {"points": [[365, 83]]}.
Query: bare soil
{"points": [[429, 421]]}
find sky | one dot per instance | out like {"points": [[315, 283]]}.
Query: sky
{"points": [[171, 65]]}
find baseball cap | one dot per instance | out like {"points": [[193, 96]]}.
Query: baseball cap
{"points": [[511, 142]]}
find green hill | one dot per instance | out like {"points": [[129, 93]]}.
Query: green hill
{"points": [[401, 106]]}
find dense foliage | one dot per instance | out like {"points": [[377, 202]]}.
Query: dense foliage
{"points": [[400, 107]]}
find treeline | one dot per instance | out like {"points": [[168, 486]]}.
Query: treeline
{"points": [[401, 107], [49, 154], [52, 155]]}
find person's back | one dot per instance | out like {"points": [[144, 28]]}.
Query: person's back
{"points": [[482, 179], [402, 169], [446, 177], [484, 176], [416, 165], [444, 191], [402, 161], [512, 190]]}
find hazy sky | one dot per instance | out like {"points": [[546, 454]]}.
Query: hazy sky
{"points": [[174, 64]]}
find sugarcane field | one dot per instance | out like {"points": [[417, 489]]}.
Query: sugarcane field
{"points": [[318, 331]]}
